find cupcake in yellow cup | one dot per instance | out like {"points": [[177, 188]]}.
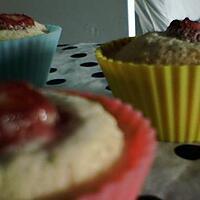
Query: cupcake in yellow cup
{"points": [[159, 73]]}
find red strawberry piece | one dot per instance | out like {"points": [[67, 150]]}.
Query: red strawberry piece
{"points": [[15, 21], [185, 30], [25, 114]]}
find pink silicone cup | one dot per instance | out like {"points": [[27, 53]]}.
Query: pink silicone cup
{"points": [[126, 179]]}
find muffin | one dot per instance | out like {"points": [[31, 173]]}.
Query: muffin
{"points": [[15, 26], [67, 145], [26, 48], [158, 73]]}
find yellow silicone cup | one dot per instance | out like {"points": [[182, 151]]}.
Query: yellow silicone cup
{"points": [[168, 95]]}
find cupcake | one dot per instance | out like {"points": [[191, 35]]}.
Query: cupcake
{"points": [[68, 145], [26, 48], [158, 73]]}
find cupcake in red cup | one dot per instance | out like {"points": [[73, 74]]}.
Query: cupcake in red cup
{"points": [[26, 48], [71, 145]]}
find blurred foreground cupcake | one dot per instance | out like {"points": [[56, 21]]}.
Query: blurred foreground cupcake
{"points": [[67, 145], [159, 73], [26, 48]]}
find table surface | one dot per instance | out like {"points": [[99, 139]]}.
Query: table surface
{"points": [[176, 171]]}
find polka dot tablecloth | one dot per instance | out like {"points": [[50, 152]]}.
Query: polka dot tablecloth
{"points": [[75, 67], [176, 171]]}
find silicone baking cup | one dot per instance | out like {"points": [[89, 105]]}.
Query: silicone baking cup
{"points": [[168, 95], [29, 58], [125, 180]]}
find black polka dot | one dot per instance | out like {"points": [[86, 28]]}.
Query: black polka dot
{"points": [[70, 47], [98, 75], [56, 81], [148, 197], [52, 70], [78, 55], [188, 151], [89, 64], [108, 87], [62, 45]]}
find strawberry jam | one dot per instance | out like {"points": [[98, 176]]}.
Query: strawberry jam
{"points": [[15, 21], [25, 114], [185, 30]]}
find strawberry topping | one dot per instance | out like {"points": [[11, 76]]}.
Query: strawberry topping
{"points": [[15, 21], [25, 114], [185, 30]]}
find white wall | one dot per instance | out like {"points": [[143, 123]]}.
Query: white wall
{"points": [[81, 20]]}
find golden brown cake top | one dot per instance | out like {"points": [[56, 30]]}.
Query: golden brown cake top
{"points": [[16, 26], [178, 45]]}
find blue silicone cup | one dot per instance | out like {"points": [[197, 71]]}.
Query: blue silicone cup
{"points": [[29, 58]]}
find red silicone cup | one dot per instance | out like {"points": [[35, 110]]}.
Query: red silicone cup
{"points": [[126, 180]]}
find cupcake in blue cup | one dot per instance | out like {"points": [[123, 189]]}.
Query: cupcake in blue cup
{"points": [[26, 48]]}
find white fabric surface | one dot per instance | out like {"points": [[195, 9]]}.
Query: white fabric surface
{"points": [[172, 177], [77, 77], [155, 15]]}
